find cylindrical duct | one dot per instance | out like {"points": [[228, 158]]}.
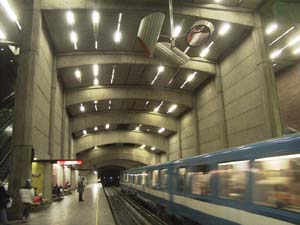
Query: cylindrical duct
{"points": [[175, 56], [149, 31]]}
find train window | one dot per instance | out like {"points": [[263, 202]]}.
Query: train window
{"points": [[182, 184], [163, 179], [200, 180], [277, 182], [154, 179], [233, 179]]}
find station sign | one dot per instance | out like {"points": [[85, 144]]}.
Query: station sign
{"points": [[69, 162]]}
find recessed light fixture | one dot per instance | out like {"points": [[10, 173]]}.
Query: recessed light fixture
{"points": [[84, 132], [271, 28], [10, 12], [95, 128], [224, 29], [161, 130], [172, 108], [153, 148], [82, 108], [107, 126]]}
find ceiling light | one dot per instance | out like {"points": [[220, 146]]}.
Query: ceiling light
{"points": [[153, 148], [161, 69], [95, 128], [74, 38], [107, 126], [143, 146], [84, 132], [82, 108], [95, 17], [224, 29], [161, 130], [10, 12], [271, 28], [177, 31], [112, 76], [275, 54], [2, 35], [96, 82], [95, 70], [77, 74], [205, 51], [117, 36], [70, 17], [296, 51], [172, 108], [294, 41]]}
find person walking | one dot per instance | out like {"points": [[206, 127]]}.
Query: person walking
{"points": [[27, 194], [4, 200], [80, 188]]}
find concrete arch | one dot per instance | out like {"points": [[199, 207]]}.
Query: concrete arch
{"points": [[109, 93], [87, 120], [80, 59], [112, 137]]}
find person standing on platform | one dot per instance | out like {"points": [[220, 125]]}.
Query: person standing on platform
{"points": [[4, 200], [80, 188], [27, 194]]}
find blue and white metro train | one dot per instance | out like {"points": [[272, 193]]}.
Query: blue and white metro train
{"points": [[257, 184]]}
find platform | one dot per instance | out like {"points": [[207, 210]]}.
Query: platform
{"points": [[93, 211]]}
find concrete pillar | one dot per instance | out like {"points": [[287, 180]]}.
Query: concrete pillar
{"points": [[47, 182], [23, 127], [269, 92], [221, 111]]}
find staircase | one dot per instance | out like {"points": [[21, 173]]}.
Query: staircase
{"points": [[7, 110]]}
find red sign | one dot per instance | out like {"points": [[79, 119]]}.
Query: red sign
{"points": [[69, 162]]}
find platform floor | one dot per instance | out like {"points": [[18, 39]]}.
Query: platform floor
{"points": [[94, 210]]}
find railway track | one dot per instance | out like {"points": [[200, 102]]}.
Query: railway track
{"points": [[128, 212]]}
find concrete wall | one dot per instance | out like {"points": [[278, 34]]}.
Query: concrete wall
{"points": [[288, 87], [42, 99], [242, 91]]}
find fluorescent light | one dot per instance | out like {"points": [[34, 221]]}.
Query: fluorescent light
{"points": [[177, 31], [161, 69], [82, 108], [294, 41], [77, 74], [117, 36], [161, 130], [143, 146], [2, 35], [205, 51], [153, 148], [224, 29], [95, 17], [74, 38], [96, 82], [112, 76], [10, 12], [107, 126], [172, 108], [70, 17], [271, 28], [275, 54], [84, 132], [296, 51], [95, 128], [95, 70]]}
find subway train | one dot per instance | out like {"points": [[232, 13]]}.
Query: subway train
{"points": [[256, 184]]}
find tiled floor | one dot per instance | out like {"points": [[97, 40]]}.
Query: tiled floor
{"points": [[93, 211]]}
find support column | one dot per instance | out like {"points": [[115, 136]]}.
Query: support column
{"points": [[221, 111], [23, 126], [47, 182], [268, 84]]}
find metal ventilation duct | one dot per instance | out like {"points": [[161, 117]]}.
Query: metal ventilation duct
{"points": [[175, 56], [149, 31]]}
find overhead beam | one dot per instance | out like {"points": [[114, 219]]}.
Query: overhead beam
{"points": [[80, 59], [78, 96], [113, 137], [88, 120], [229, 14]]}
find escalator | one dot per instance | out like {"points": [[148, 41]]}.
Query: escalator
{"points": [[7, 111]]}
